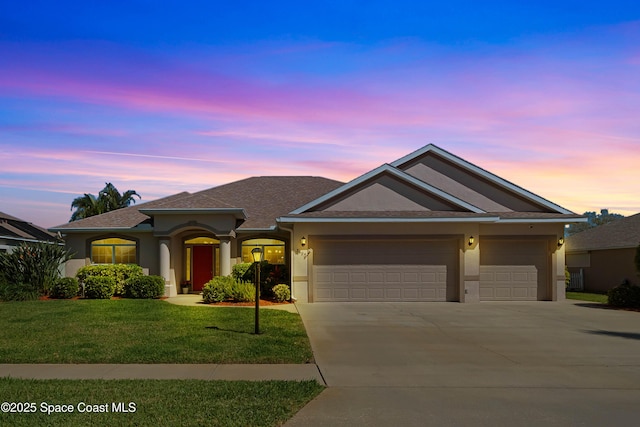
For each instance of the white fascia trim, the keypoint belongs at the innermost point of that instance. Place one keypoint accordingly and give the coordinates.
(254, 230)
(484, 173)
(20, 239)
(386, 220)
(543, 220)
(171, 211)
(397, 173)
(102, 229)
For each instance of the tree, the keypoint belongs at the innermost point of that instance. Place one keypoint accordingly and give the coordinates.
(593, 220)
(109, 199)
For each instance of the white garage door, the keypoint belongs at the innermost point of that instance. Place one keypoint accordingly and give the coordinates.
(381, 269)
(513, 270)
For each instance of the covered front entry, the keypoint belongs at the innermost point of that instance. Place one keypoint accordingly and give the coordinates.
(384, 269)
(202, 261)
(514, 269)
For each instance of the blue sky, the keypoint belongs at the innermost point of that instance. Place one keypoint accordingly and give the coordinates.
(163, 97)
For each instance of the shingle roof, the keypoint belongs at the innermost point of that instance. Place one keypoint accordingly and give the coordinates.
(262, 198)
(17, 229)
(618, 234)
(268, 197)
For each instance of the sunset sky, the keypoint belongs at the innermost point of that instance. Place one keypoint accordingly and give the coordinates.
(167, 96)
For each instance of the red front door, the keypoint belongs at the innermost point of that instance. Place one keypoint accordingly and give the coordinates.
(202, 266)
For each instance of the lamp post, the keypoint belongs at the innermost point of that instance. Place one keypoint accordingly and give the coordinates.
(257, 257)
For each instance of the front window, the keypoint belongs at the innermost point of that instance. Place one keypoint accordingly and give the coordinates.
(272, 249)
(113, 251)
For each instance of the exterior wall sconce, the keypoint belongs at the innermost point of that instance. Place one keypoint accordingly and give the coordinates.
(303, 241)
(471, 240)
(560, 242)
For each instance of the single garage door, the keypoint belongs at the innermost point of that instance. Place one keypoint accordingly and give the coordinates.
(384, 269)
(513, 270)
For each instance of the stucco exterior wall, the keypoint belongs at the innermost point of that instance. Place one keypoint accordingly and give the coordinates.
(80, 244)
(605, 269)
(469, 255)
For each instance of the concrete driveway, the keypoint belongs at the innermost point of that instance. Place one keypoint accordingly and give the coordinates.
(498, 363)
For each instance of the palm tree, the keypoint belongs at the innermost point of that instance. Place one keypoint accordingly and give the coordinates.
(109, 199)
(112, 198)
(86, 206)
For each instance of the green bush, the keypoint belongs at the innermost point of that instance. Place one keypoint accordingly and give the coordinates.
(31, 267)
(281, 292)
(96, 287)
(119, 272)
(226, 288)
(216, 289)
(65, 288)
(242, 292)
(240, 271)
(270, 275)
(18, 292)
(144, 287)
(625, 295)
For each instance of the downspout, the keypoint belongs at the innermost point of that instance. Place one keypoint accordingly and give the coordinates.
(291, 243)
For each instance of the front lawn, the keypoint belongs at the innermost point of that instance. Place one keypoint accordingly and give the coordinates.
(154, 402)
(146, 331)
(586, 296)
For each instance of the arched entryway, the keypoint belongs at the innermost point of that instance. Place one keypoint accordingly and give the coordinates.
(202, 260)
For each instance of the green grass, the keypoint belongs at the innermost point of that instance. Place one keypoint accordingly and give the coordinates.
(146, 331)
(158, 402)
(586, 296)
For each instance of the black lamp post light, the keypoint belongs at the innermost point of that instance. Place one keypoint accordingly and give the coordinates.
(257, 257)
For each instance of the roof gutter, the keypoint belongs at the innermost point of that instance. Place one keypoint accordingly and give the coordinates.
(292, 220)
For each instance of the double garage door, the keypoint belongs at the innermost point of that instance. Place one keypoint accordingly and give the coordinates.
(385, 269)
(396, 269)
(514, 270)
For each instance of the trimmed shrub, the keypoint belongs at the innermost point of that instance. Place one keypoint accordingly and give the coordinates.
(226, 288)
(65, 288)
(144, 287)
(625, 295)
(96, 287)
(119, 272)
(215, 290)
(239, 271)
(281, 292)
(32, 267)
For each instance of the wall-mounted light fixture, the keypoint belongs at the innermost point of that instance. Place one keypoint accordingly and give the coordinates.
(471, 240)
(303, 241)
(560, 241)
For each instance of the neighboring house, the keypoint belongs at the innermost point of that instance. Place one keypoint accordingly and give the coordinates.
(14, 231)
(605, 254)
(427, 227)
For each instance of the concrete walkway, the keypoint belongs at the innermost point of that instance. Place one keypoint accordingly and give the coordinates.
(293, 372)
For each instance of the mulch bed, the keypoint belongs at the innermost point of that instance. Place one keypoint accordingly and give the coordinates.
(249, 304)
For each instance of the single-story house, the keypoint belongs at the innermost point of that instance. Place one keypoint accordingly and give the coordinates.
(603, 256)
(14, 231)
(427, 227)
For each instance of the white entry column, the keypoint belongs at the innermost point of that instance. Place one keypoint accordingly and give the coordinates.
(165, 266)
(225, 255)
